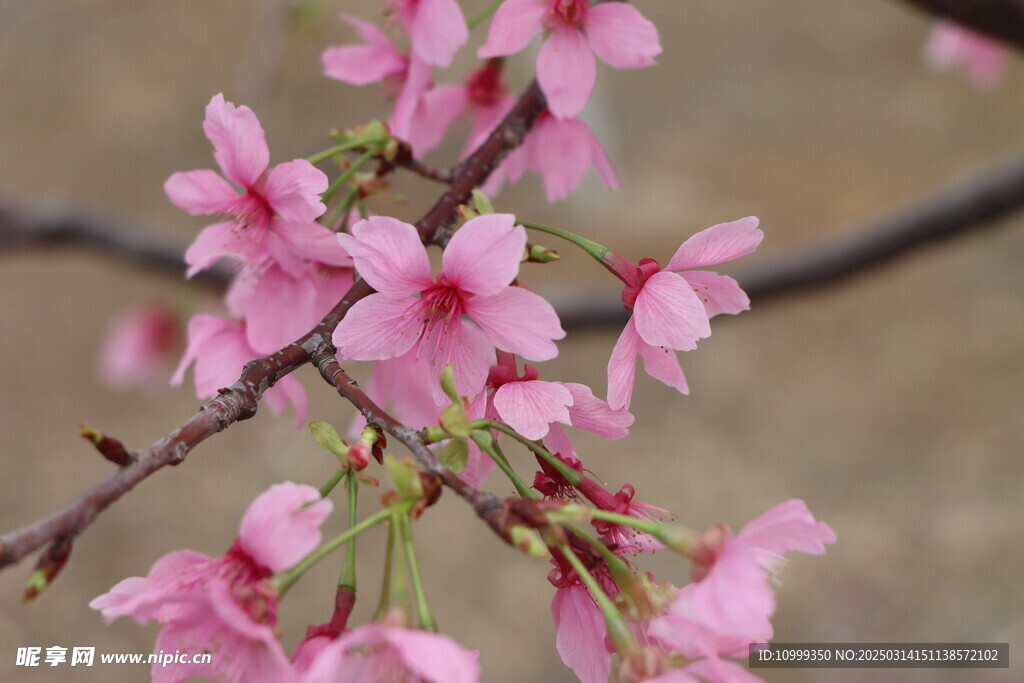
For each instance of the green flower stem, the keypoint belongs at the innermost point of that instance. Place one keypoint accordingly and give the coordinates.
(334, 151)
(615, 563)
(622, 638)
(426, 617)
(348, 571)
(385, 586)
(488, 445)
(343, 208)
(675, 536)
(326, 489)
(571, 475)
(287, 578)
(597, 251)
(483, 14)
(350, 171)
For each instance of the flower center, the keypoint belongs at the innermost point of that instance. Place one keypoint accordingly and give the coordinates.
(567, 13)
(484, 86)
(252, 210)
(644, 271)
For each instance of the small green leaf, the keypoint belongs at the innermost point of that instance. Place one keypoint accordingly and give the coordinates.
(454, 455)
(327, 437)
(405, 477)
(483, 204)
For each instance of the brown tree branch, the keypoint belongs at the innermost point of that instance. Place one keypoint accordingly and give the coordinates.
(1002, 19)
(240, 401)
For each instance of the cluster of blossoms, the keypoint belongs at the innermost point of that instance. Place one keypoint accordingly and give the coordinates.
(446, 349)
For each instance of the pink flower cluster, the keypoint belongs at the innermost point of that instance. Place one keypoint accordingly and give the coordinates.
(226, 606)
(290, 269)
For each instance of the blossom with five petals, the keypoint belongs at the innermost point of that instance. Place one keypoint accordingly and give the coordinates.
(566, 69)
(413, 310)
(672, 306)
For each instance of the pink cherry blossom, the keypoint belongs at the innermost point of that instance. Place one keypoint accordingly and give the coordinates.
(530, 406)
(672, 306)
(574, 32)
(436, 28)
(139, 347)
(371, 61)
(225, 601)
(274, 206)
(951, 45)
(561, 151)
(381, 651)
(731, 601)
(479, 265)
(219, 348)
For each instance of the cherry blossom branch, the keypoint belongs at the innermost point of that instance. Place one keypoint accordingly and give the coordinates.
(240, 400)
(487, 506)
(1003, 19)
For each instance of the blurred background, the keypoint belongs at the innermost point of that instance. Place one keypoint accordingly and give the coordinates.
(891, 405)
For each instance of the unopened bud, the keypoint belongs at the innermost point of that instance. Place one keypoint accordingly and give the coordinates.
(483, 204)
(529, 541)
(327, 436)
(538, 253)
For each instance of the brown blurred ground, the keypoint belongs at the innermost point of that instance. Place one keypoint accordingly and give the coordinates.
(892, 406)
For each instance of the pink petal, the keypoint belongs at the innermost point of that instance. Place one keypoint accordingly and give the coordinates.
(718, 244)
(404, 115)
(515, 24)
(389, 255)
(279, 528)
(217, 241)
(528, 407)
(734, 598)
(479, 465)
(434, 656)
(718, 293)
(461, 344)
(200, 192)
(716, 670)
(361, 64)
(437, 30)
(202, 329)
(312, 241)
(558, 443)
(566, 71)
(593, 415)
(238, 141)
(436, 111)
(622, 367)
(484, 254)
(379, 327)
(518, 321)
(580, 634)
(280, 310)
(621, 36)
(788, 527)
(663, 365)
(282, 251)
(374, 60)
(668, 313)
(293, 191)
(562, 151)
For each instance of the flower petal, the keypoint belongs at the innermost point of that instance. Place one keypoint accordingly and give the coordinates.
(374, 60)
(279, 528)
(719, 293)
(279, 310)
(580, 634)
(621, 36)
(239, 145)
(389, 255)
(788, 527)
(529, 407)
(566, 71)
(437, 30)
(718, 244)
(462, 345)
(663, 365)
(668, 313)
(293, 191)
(309, 240)
(593, 415)
(434, 656)
(515, 24)
(217, 241)
(201, 192)
(379, 327)
(622, 367)
(518, 321)
(484, 254)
